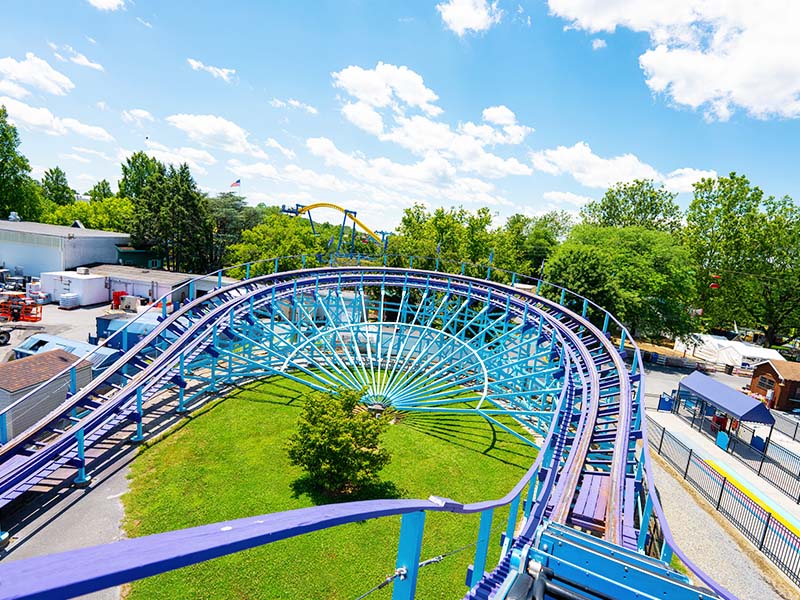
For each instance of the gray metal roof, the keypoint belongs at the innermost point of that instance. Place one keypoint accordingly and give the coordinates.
(136, 274)
(61, 231)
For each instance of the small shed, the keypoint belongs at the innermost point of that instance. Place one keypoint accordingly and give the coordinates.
(779, 382)
(716, 398)
(20, 377)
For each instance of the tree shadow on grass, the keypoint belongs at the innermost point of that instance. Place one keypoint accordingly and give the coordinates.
(380, 490)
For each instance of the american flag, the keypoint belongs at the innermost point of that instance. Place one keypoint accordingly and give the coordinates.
(237, 183)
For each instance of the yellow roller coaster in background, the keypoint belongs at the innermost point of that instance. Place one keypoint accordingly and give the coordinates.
(349, 214)
(301, 209)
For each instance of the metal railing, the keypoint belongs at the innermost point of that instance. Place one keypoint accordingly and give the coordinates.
(766, 531)
(788, 427)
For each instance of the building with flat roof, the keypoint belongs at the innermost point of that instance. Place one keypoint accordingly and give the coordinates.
(39, 247)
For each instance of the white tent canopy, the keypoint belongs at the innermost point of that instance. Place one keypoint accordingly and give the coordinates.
(720, 350)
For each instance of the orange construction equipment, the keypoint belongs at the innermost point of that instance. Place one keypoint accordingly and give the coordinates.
(16, 306)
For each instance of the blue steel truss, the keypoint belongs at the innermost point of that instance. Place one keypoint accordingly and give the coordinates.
(584, 518)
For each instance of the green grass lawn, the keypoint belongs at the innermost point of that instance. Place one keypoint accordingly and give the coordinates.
(228, 461)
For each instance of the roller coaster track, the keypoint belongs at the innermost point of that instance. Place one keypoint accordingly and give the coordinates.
(301, 210)
(590, 524)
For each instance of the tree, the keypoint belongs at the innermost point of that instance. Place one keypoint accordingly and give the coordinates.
(752, 244)
(108, 214)
(184, 223)
(227, 212)
(638, 203)
(338, 447)
(642, 276)
(137, 170)
(279, 235)
(55, 187)
(524, 243)
(18, 192)
(100, 191)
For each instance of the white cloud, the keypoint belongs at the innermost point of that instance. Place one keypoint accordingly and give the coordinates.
(363, 116)
(463, 16)
(12, 89)
(90, 152)
(196, 158)
(102, 105)
(147, 24)
(273, 143)
(433, 178)
(566, 198)
(36, 72)
(598, 44)
(499, 115)
(216, 132)
(80, 59)
(137, 116)
(41, 119)
(107, 4)
(216, 72)
(75, 157)
(74, 56)
(91, 40)
(709, 55)
(683, 180)
(292, 103)
(593, 171)
(387, 85)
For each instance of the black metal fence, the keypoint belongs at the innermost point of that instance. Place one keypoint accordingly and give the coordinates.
(786, 425)
(769, 533)
(776, 464)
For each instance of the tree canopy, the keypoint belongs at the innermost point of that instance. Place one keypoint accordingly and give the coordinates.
(635, 204)
(55, 187)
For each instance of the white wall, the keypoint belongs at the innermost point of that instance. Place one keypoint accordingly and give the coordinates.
(81, 251)
(91, 288)
(34, 257)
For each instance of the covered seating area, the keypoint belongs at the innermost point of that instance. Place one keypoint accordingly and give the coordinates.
(719, 409)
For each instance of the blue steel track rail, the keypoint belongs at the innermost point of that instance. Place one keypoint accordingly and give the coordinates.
(597, 408)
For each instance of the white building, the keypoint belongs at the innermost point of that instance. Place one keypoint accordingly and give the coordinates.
(38, 247)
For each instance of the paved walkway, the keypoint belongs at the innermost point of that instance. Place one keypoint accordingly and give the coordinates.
(704, 447)
(727, 557)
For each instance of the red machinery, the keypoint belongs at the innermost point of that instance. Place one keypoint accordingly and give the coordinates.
(16, 306)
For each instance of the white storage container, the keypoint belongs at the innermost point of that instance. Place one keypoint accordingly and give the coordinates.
(91, 289)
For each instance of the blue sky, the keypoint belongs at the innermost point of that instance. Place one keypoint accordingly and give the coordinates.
(519, 106)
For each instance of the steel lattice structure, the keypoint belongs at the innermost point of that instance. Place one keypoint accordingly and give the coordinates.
(414, 340)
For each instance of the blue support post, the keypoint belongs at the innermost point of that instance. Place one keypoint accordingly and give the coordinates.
(276, 266)
(605, 323)
(3, 429)
(512, 521)
(585, 307)
(644, 524)
(513, 279)
(482, 547)
(463, 266)
(622, 341)
(81, 479)
(139, 436)
(181, 390)
(219, 278)
(247, 271)
(303, 259)
(191, 291)
(213, 386)
(412, 526)
(73, 381)
(164, 308)
(563, 296)
(411, 262)
(666, 553)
